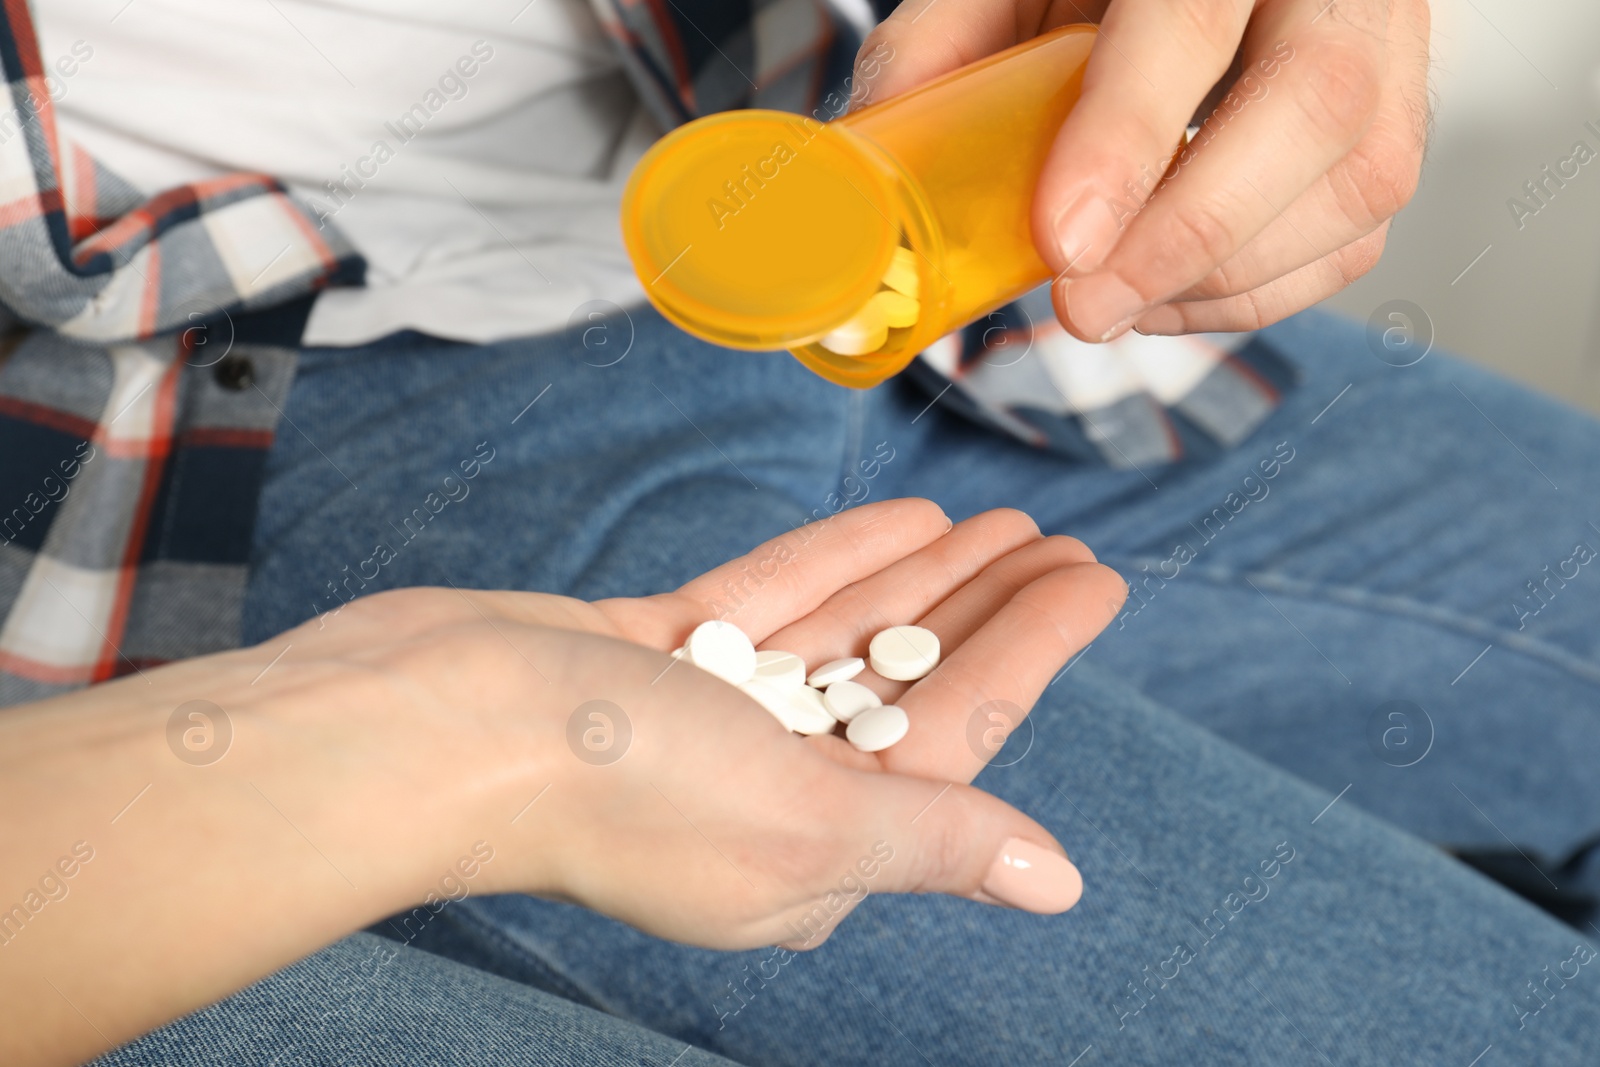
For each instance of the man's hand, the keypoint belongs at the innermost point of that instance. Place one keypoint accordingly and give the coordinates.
(1283, 197)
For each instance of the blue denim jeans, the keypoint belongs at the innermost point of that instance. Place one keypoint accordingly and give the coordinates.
(1332, 657)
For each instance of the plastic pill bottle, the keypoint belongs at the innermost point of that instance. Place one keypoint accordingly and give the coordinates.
(765, 230)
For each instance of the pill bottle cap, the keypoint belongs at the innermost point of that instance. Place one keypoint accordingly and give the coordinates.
(760, 229)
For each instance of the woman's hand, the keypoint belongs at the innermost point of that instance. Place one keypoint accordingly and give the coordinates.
(1283, 198)
(691, 813)
(412, 747)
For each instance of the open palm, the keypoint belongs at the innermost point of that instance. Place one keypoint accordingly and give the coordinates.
(708, 822)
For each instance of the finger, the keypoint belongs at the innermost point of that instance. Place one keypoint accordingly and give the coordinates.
(1308, 116)
(1270, 303)
(1007, 663)
(1312, 228)
(967, 610)
(791, 575)
(974, 605)
(906, 590)
(914, 836)
(1154, 63)
(783, 578)
(1359, 194)
(925, 39)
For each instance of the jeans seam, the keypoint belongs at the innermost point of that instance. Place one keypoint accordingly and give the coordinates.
(1400, 607)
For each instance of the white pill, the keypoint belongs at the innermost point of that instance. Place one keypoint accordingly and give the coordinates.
(782, 669)
(898, 309)
(808, 714)
(863, 332)
(722, 649)
(904, 653)
(678, 652)
(837, 670)
(846, 700)
(772, 698)
(902, 273)
(877, 728)
(800, 709)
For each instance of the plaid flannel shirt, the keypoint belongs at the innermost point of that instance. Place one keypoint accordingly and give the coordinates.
(131, 453)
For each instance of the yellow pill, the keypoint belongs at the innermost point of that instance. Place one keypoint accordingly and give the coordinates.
(863, 332)
(902, 273)
(898, 309)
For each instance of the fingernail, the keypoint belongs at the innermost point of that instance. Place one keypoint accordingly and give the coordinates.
(1103, 306)
(1032, 878)
(1085, 231)
(1161, 321)
(1059, 299)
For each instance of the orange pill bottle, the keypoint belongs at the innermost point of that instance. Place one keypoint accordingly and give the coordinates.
(766, 230)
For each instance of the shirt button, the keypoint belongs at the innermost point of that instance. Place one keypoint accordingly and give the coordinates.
(235, 373)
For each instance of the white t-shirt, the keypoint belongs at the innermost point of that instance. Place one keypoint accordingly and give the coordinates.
(474, 150)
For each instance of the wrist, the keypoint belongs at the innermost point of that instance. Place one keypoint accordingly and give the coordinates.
(228, 853)
(383, 778)
(426, 786)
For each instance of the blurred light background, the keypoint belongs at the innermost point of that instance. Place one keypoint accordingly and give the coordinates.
(1514, 84)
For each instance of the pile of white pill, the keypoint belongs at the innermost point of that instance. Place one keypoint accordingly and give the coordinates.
(814, 702)
(894, 306)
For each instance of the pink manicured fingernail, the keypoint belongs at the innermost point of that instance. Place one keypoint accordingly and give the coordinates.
(1085, 232)
(1032, 878)
(1103, 306)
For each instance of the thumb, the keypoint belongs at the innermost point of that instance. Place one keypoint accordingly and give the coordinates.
(932, 837)
(967, 843)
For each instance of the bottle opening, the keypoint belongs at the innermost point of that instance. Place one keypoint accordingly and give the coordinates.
(760, 229)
